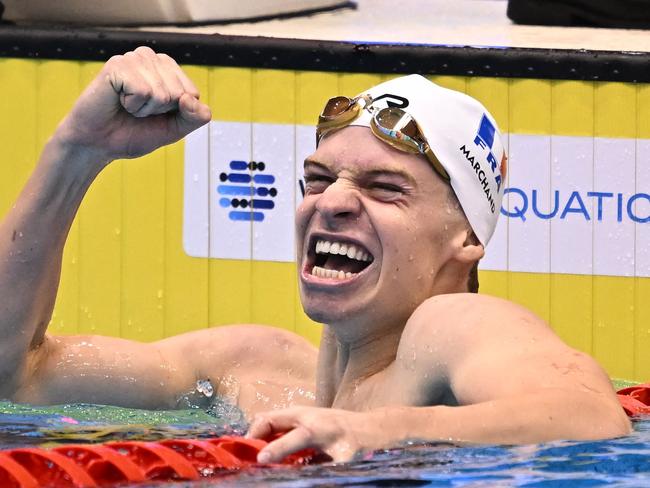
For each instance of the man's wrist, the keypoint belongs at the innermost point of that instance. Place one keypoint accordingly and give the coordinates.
(403, 424)
(64, 148)
(397, 425)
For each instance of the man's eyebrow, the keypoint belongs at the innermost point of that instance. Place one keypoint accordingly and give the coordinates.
(313, 162)
(391, 172)
(373, 173)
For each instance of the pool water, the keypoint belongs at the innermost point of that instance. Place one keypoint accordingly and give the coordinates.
(619, 462)
(25, 425)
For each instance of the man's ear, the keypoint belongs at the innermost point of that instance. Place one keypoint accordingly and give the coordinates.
(471, 249)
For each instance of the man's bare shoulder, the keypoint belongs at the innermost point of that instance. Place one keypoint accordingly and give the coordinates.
(445, 329)
(486, 348)
(470, 315)
(243, 347)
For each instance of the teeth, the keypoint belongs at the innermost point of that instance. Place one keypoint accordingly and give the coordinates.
(349, 250)
(352, 252)
(332, 274)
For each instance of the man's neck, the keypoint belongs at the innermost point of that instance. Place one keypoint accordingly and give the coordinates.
(344, 365)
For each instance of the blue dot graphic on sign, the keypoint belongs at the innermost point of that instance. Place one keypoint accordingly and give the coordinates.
(265, 179)
(240, 188)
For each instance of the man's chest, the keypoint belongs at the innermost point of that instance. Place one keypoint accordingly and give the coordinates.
(395, 387)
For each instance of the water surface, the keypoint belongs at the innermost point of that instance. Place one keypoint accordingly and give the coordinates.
(620, 462)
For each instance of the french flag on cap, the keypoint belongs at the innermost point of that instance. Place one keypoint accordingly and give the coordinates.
(485, 139)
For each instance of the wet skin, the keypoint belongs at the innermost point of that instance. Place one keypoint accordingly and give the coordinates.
(394, 206)
(405, 353)
(138, 102)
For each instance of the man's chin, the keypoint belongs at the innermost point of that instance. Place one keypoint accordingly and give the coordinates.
(330, 312)
(335, 304)
(320, 315)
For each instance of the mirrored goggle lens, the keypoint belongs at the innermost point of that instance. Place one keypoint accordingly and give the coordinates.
(400, 130)
(400, 126)
(396, 119)
(336, 106)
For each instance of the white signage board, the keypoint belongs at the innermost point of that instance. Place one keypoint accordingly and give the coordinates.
(575, 205)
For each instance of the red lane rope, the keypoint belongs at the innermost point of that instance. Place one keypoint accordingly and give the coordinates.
(117, 463)
(635, 400)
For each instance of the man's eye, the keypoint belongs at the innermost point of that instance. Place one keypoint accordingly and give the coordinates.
(386, 188)
(316, 184)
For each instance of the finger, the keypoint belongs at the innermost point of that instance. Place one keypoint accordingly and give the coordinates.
(160, 100)
(184, 80)
(261, 428)
(133, 90)
(168, 74)
(191, 115)
(266, 425)
(296, 440)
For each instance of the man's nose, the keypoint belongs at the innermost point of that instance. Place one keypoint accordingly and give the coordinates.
(340, 201)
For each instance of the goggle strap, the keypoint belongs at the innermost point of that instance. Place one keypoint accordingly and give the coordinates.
(437, 165)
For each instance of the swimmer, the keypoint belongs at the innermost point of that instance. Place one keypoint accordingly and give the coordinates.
(400, 202)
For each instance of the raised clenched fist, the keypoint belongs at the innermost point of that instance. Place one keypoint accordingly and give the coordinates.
(140, 101)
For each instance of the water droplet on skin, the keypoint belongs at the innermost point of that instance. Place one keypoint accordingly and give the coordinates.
(205, 387)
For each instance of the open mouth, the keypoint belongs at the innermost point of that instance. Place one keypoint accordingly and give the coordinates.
(337, 260)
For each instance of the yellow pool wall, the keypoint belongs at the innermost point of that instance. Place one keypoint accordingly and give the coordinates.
(125, 272)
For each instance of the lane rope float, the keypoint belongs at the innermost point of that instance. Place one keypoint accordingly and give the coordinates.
(117, 463)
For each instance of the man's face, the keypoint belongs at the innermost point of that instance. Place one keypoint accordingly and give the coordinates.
(374, 231)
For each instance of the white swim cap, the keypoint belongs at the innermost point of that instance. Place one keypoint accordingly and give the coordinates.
(463, 136)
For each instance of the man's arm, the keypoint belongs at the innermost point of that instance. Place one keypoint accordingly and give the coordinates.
(164, 374)
(528, 418)
(138, 102)
(514, 377)
(514, 381)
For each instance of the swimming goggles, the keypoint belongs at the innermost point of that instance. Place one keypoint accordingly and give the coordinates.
(391, 124)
